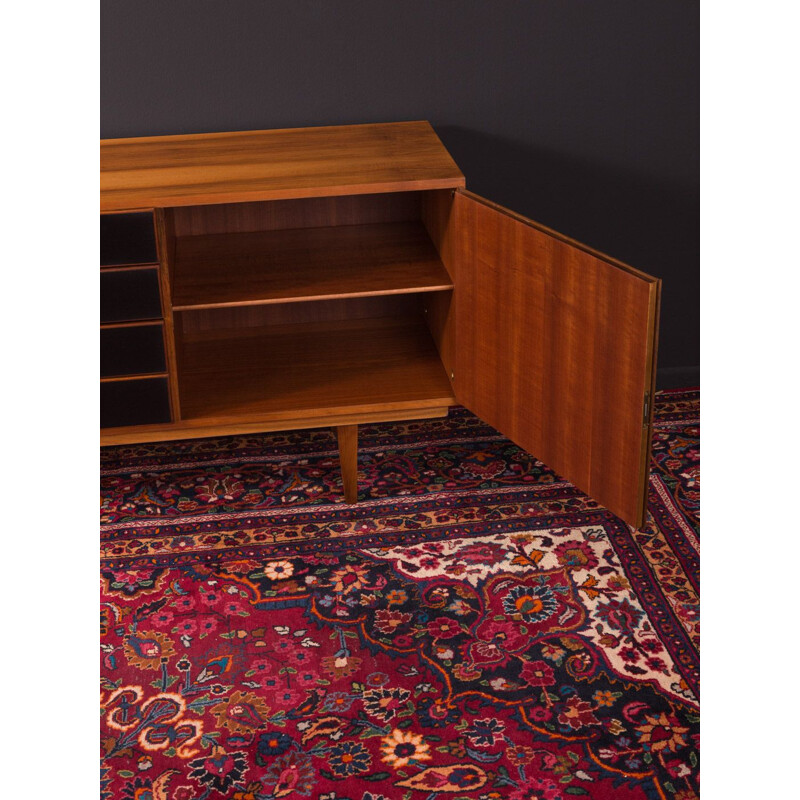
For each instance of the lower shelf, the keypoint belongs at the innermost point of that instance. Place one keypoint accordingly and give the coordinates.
(311, 370)
(282, 377)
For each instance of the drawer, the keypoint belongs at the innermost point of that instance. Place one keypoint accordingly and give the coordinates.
(127, 239)
(132, 350)
(136, 402)
(129, 294)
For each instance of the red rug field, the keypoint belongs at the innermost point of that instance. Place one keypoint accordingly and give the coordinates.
(474, 628)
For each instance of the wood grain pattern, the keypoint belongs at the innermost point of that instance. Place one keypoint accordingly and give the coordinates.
(191, 429)
(165, 244)
(311, 370)
(126, 268)
(136, 323)
(306, 212)
(347, 436)
(338, 310)
(166, 171)
(651, 361)
(139, 377)
(301, 264)
(439, 220)
(556, 350)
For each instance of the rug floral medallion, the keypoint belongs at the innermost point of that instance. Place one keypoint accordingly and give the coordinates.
(475, 628)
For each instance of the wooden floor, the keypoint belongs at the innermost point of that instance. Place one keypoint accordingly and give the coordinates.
(312, 369)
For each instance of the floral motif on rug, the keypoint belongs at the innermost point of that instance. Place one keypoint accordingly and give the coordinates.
(497, 649)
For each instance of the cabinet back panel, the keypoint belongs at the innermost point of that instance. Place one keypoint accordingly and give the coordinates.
(127, 239)
(312, 212)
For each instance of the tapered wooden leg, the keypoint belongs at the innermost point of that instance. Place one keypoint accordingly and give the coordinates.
(348, 460)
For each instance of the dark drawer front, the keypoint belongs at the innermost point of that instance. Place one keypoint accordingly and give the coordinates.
(131, 350)
(136, 402)
(129, 294)
(127, 239)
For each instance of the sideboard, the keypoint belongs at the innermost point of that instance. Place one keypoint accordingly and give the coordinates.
(269, 280)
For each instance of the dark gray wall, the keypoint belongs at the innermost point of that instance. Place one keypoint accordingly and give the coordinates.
(582, 115)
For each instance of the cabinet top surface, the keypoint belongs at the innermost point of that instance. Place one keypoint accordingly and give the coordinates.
(165, 171)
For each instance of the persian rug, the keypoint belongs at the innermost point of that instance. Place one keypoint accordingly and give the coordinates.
(475, 628)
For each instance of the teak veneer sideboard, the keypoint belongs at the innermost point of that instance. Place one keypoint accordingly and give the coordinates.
(270, 280)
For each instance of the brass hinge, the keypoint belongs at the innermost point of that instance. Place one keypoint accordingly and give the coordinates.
(646, 415)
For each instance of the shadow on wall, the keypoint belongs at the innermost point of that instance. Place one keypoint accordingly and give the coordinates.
(649, 224)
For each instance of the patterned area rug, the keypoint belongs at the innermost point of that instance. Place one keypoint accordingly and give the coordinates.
(474, 628)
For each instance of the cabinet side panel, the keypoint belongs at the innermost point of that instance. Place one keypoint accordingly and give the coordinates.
(437, 213)
(555, 350)
(652, 359)
(165, 240)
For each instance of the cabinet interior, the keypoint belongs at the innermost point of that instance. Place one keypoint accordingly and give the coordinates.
(308, 306)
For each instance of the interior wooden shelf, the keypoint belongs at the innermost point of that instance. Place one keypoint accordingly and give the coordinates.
(312, 370)
(278, 266)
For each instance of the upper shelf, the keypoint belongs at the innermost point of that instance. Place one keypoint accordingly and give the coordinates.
(311, 371)
(167, 171)
(234, 269)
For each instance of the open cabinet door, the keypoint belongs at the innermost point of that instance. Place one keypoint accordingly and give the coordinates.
(555, 347)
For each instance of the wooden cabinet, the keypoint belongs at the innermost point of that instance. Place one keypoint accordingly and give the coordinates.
(268, 280)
